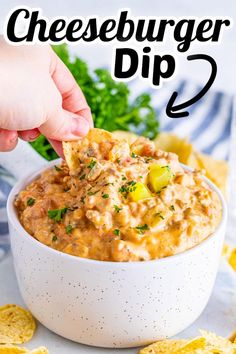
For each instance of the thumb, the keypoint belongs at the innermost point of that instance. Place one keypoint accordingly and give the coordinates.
(65, 125)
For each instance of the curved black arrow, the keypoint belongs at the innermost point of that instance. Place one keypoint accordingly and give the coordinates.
(171, 109)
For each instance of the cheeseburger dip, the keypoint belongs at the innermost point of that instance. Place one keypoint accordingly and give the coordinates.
(112, 201)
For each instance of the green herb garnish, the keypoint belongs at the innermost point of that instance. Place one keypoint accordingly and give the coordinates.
(128, 187)
(92, 164)
(82, 177)
(147, 159)
(69, 229)
(58, 169)
(92, 193)
(57, 214)
(160, 215)
(172, 207)
(105, 196)
(167, 167)
(30, 201)
(142, 228)
(116, 232)
(134, 155)
(82, 200)
(117, 209)
(54, 238)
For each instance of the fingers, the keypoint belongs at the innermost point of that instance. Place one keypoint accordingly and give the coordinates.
(8, 139)
(57, 146)
(29, 135)
(72, 96)
(63, 125)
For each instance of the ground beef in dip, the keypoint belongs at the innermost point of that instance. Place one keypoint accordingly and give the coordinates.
(110, 209)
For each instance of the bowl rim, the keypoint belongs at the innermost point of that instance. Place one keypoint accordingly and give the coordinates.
(14, 220)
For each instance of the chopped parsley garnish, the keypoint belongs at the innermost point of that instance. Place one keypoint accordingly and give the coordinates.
(142, 228)
(105, 196)
(118, 160)
(123, 178)
(131, 183)
(134, 155)
(116, 232)
(147, 159)
(92, 193)
(172, 207)
(167, 167)
(57, 214)
(54, 238)
(58, 169)
(117, 209)
(82, 177)
(69, 229)
(30, 201)
(128, 187)
(82, 200)
(160, 215)
(109, 184)
(92, 164)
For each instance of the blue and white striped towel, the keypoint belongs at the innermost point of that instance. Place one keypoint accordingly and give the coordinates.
(208, 127)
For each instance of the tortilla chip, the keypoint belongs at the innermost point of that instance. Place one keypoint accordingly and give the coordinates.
(225, 250)
(123, 135)
(11, 349)
(216, 170)
(71, 148)
(232, 259)
(192, 345)
(16, 325)
(206, 344)
(40, 350)
(216, 341)
(164, 346)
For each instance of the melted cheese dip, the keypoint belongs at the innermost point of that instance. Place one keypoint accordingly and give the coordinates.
(92, 212)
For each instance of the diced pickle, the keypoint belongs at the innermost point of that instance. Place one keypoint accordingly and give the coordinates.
(159, 177)
(139, 192)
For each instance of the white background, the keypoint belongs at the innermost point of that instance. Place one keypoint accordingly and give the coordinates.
(97, 55)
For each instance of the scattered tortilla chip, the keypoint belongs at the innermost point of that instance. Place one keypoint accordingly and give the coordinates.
(226, 250)
(40, 350)
(11, 349)
(164, 346)
(191, 345)
(232, 338)
(232, 258)
(229, 253)
(16, 325)
(172, 143)
(216, 170)
(216, 341)
(206, 344)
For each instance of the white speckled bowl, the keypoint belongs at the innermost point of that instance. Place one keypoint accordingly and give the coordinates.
(110, 304)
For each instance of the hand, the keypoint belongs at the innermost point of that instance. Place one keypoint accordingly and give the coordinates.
(38, 94)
